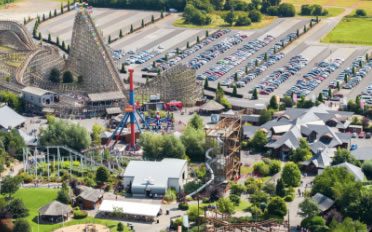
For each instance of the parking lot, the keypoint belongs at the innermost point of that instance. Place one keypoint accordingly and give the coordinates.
(109, 21)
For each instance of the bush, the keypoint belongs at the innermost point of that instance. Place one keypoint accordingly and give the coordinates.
(273, 10)
(237, 189)
(243, 21)
(286, 10)
(289, 198)
(183, 206)
(190, 187)
(235, 199)
(54, 75)
(27, 178)
(170, 195)
(275, 166)
(306, 10)
(252, 185)
(80, 214)
(261, 168)
(360, 13)
(367, 169)
(255, 16)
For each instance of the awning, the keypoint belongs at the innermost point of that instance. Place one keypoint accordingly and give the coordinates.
(130, 208)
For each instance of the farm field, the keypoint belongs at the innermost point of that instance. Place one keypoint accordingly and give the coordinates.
(351, 31)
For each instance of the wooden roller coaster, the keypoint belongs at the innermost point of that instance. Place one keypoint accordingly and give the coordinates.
(217, 222)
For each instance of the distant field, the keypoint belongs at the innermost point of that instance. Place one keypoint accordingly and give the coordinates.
(351, 31)
(339, 3)
(332, 11)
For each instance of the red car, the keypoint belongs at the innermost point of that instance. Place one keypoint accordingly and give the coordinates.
(362, 135)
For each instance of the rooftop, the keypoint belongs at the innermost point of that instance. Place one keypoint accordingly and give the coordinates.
(54, 208)
(35, 91)
(132, 208)
(323, 202)
(9, 118)
(106, 96)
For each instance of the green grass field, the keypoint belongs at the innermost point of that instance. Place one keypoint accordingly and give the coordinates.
(36, 198)
(351, 31)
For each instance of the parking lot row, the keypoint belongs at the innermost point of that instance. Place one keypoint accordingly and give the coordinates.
(321, 72)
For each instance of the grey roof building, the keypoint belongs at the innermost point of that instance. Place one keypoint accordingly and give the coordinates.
(319, 125)
(152, 177)
(10, 119)
(354, 170)
(363, 153)
(54, 211)
(324, 203)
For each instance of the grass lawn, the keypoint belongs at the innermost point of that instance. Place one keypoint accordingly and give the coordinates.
(36, 198)
(351, 31)
(245, 170)
(218, 22)
(339, 3)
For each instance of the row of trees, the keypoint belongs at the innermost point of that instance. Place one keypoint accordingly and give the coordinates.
(12, 100)
(313, 10)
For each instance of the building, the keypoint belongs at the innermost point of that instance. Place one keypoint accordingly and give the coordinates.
(322, 127)
(10, 119)
(54, 212)
(130, 210)
(39, 98)
(324, 203)
(89, 198)
(211, 107)
(152, 178)
(362, 153)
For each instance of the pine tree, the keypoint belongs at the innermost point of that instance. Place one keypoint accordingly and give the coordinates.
(152, 19)
(57, 41)
(40, 38)
(63, 45)
(255, 94)
(360, 64)
(142, 23)
(235, 91)
(49, 38)
(298, 33)
(367, 57)
(206, 33)
(188, 44)
(265, 57)
(330, 93)
(311, 23)
(353, 70)
(280, 188)
(246, 70)
(43, 17)
(68, 5)
(38, 20)
(61, 8)
(206, 84)
(197, 39)
(50, 14)
(338, 86)
(320, 97)
(24, 21)
(346, 78)
(109, 39)
(162, 14)
(305, 29)
(55, 12)
(236, 77)
(256, 62)
(120, 34)
(131, 28)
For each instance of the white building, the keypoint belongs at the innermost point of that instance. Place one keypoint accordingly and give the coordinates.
(10, 119)
(38, 97)
(146, 178)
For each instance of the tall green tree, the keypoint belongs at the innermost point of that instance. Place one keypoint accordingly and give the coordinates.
(291, 175)
(224, 205)
(102, 174)
(258, 141)
(308, 208)
(22, 225)
(276, 208)
(10, 185)
(230, 17)
(302, 153)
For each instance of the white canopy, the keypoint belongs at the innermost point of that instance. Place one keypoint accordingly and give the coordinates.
(132, 208)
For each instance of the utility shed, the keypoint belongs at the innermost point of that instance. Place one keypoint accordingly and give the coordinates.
(10, 119)
(89, 198)
(147, 178)
(55, 211)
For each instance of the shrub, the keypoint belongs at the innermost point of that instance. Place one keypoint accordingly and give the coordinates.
(237, 189)
(235, 199)
(68, 77)
(286, 10)
(367, 168)
(275, 166)
(261, 168)
(183, 206)
(80, 214)
(360, 13)
(170, 195)
(243, 21)
(252, 185)
(289, 198)
(273, 10)
(54, 75)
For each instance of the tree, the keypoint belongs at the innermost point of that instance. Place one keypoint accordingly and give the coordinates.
(206, 84)
(194, 142)
(320, 97)
(338, 86)
(121, 33)
(61, 8)
(224, 205)
(152, 18)
(57, 41)
(235, 91)
(230, 17)
(291, 175)
(62, 132)
(63, 196)
(315, 224)
(330, 93)
(120, 227)
(102, 174)
(258, 141)
(14, 101)
(302, 153)
(348, 225)
(21, 225)
(197, 39)
(360, 13)
(50, 14)
(367, 168)
(280, 188)
(255, 16)
(17, 208)
(308, 208)
(97, 130)
(265, 116)
(142, 23)
(63, 46)
(172, 147)
(286, 10)
(343, 155)
(109, 39)
(273, 103)
(276, 208)
(254, 94)
(43, 17)
(49, 38)
(131, 28)
(67, 77)
(196, 122)
(10, 185)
